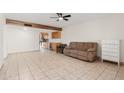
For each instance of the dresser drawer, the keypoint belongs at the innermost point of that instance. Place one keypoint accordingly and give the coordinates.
(109, 58)
(110, 46)
(110, 50)
(112, 54)
(110, 42)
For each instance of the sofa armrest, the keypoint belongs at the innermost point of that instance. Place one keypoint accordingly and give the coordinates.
(67, 47)
(91, 50)
(91, 54)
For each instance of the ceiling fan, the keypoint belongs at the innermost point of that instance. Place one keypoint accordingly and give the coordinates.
(61, 17)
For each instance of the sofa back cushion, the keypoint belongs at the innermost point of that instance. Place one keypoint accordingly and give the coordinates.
(91, 45)
(83, 46)
(73, 45)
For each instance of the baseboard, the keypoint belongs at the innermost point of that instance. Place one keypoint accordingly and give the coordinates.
(24, 51)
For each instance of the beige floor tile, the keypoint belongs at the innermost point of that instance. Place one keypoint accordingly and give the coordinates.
(48, 65)
(107, 75)
(120, 77)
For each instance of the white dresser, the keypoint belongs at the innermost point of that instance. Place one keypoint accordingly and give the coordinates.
(111, 50)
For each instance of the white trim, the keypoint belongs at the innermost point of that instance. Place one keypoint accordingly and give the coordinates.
(1, 63)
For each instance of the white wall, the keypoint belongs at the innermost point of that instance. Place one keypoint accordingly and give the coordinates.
(2, 23)
(1, 41)
(106, 28)
(20, 39)
(5, 47)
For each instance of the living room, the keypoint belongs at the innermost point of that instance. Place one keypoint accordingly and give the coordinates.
(63, 46)
(84, 35)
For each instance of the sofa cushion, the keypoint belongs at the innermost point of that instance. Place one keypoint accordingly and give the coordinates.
(91, 50)
(84, 47)
(67, 47)
(66, 50)
(73, 45)
(80, 46)
(82, 57)
(73, 51)
(82, 53)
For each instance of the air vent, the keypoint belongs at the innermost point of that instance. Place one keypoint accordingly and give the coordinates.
(28, 25)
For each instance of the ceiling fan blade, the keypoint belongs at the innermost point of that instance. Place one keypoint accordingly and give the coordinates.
(65, 19)
(67, 16)
(53, 17)
(59, 14)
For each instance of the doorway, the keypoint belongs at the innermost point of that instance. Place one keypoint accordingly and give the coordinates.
(44, 40)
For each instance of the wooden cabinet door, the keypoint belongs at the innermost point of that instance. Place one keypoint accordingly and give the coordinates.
(56, 34)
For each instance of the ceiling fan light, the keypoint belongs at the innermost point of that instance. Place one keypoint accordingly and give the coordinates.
(60, 18)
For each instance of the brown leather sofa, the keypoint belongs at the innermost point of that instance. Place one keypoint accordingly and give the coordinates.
(82, 50)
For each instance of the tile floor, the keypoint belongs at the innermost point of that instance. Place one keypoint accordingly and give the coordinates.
(47, 65)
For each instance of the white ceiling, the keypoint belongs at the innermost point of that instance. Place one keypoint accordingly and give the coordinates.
(44, 18)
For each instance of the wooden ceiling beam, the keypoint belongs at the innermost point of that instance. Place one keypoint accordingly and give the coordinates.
(28, 24)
